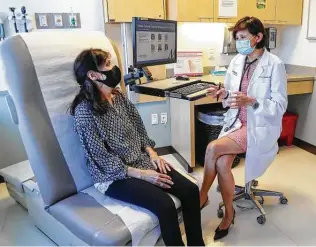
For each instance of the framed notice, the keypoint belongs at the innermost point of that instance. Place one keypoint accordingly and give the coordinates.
(189, 63)
(311, 28)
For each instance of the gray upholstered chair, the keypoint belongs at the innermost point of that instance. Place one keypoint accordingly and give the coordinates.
(38, 70)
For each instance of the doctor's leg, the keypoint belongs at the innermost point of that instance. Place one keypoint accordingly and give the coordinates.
(214, 150)
(227, 186)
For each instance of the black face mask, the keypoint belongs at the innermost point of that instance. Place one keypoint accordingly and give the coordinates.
(112, 77)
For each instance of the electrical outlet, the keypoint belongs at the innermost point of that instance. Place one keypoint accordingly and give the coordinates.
(163, 118)
(154, 119)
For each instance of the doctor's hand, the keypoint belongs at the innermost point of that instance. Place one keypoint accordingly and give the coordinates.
(213, 91)
(239, 99)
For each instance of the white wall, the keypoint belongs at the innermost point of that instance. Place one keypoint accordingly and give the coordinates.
(205, 37)
(91, 11)
(294, 47)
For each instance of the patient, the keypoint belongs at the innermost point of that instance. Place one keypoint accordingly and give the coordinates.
(121, 159)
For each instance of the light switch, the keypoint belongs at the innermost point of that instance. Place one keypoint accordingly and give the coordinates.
(163, 118)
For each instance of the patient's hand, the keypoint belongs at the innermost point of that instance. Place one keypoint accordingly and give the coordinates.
(161, 180)
(160, 163)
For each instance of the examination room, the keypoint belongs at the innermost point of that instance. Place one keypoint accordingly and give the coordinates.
(157, 122)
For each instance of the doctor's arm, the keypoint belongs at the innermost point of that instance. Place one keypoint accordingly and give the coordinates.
(277, 104)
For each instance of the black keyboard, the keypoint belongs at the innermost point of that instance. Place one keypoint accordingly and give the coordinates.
(193, 88)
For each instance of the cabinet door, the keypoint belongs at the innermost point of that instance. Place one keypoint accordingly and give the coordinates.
(124, 10)
(195, 11)
(262, 9)
(289, 14)
(241, 12)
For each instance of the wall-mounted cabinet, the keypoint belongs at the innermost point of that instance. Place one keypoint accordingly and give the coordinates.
(241, 12)
(190, 11)
(289, 13)
(125, 10)
(283, 12)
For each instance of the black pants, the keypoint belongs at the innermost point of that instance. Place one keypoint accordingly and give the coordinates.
(156, 200)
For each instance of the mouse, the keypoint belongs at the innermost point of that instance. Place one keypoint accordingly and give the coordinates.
(182, 78)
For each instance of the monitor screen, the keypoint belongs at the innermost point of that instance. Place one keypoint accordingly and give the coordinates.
(154, 42)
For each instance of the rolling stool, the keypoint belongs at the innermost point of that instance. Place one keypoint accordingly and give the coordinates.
(249, 192)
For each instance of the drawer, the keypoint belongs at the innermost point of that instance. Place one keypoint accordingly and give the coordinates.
(300, 87)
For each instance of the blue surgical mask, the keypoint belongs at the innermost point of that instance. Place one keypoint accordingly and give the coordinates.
(244, 46)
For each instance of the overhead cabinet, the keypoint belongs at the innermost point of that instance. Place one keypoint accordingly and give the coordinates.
(125, 10)
(284, 12)
(190, 10)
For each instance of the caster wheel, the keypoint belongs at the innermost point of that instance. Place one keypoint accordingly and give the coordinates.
(255, 183)
(218, 189)
(220, 213)
(261, 201)
(261, 219)
(283, 200)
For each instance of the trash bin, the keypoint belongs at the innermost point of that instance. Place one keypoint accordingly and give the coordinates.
(288, 127)
(209, 123)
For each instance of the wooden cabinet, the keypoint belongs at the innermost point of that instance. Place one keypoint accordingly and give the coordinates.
(124, 10)
(265, 10)
(289, 12)
(190, 11)
(241, 12)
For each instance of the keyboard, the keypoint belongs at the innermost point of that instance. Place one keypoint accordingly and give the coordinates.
(191, 89)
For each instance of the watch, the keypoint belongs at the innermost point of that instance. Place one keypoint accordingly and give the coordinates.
(255, 105)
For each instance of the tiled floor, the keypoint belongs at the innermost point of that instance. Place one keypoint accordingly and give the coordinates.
(293, 172)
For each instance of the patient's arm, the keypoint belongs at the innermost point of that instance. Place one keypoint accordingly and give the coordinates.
(103, 165)
(134, 115)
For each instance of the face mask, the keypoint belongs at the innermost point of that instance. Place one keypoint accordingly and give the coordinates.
(111, 77)
(244, 46)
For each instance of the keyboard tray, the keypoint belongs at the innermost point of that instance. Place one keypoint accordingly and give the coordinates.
(172, 91)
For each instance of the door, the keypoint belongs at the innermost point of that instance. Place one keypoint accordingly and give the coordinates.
(262, 9)
(195, 11)
(241, 12)
(289, 14)
(124, 10)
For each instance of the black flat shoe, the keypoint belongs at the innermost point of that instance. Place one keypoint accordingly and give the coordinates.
(221, 233)
(207, 202)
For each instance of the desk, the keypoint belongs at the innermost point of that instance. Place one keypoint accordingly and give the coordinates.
(182, 113)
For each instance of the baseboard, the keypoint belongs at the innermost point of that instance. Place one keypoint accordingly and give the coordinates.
(170, 150)
(305, 145)
(165, 150)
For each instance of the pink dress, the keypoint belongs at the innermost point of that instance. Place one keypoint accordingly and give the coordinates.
(240, 136)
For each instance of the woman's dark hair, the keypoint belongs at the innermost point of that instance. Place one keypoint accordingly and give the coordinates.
(90, 59)
(253, 25)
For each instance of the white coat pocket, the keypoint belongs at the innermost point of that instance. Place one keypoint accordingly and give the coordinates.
(266, 137)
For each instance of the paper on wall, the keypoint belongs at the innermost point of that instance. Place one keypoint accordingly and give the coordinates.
(189, 63)
(227, 8)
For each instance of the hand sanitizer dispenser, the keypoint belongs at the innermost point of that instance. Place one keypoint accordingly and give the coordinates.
(229, 43)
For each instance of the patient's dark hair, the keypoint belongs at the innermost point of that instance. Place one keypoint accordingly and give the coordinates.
(90, 59)
(253, 25)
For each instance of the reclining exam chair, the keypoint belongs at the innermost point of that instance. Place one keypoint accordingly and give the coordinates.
(61, 198)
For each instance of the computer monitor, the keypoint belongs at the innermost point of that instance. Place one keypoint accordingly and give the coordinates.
(154, 42)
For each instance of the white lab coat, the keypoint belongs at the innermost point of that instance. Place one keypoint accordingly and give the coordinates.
(269, 86)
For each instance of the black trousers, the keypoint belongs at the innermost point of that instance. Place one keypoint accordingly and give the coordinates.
(156, 200)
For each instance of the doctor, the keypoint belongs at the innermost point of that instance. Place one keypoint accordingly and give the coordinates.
(255, 90)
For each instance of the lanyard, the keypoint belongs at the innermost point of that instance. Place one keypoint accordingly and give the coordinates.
(245, 69)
